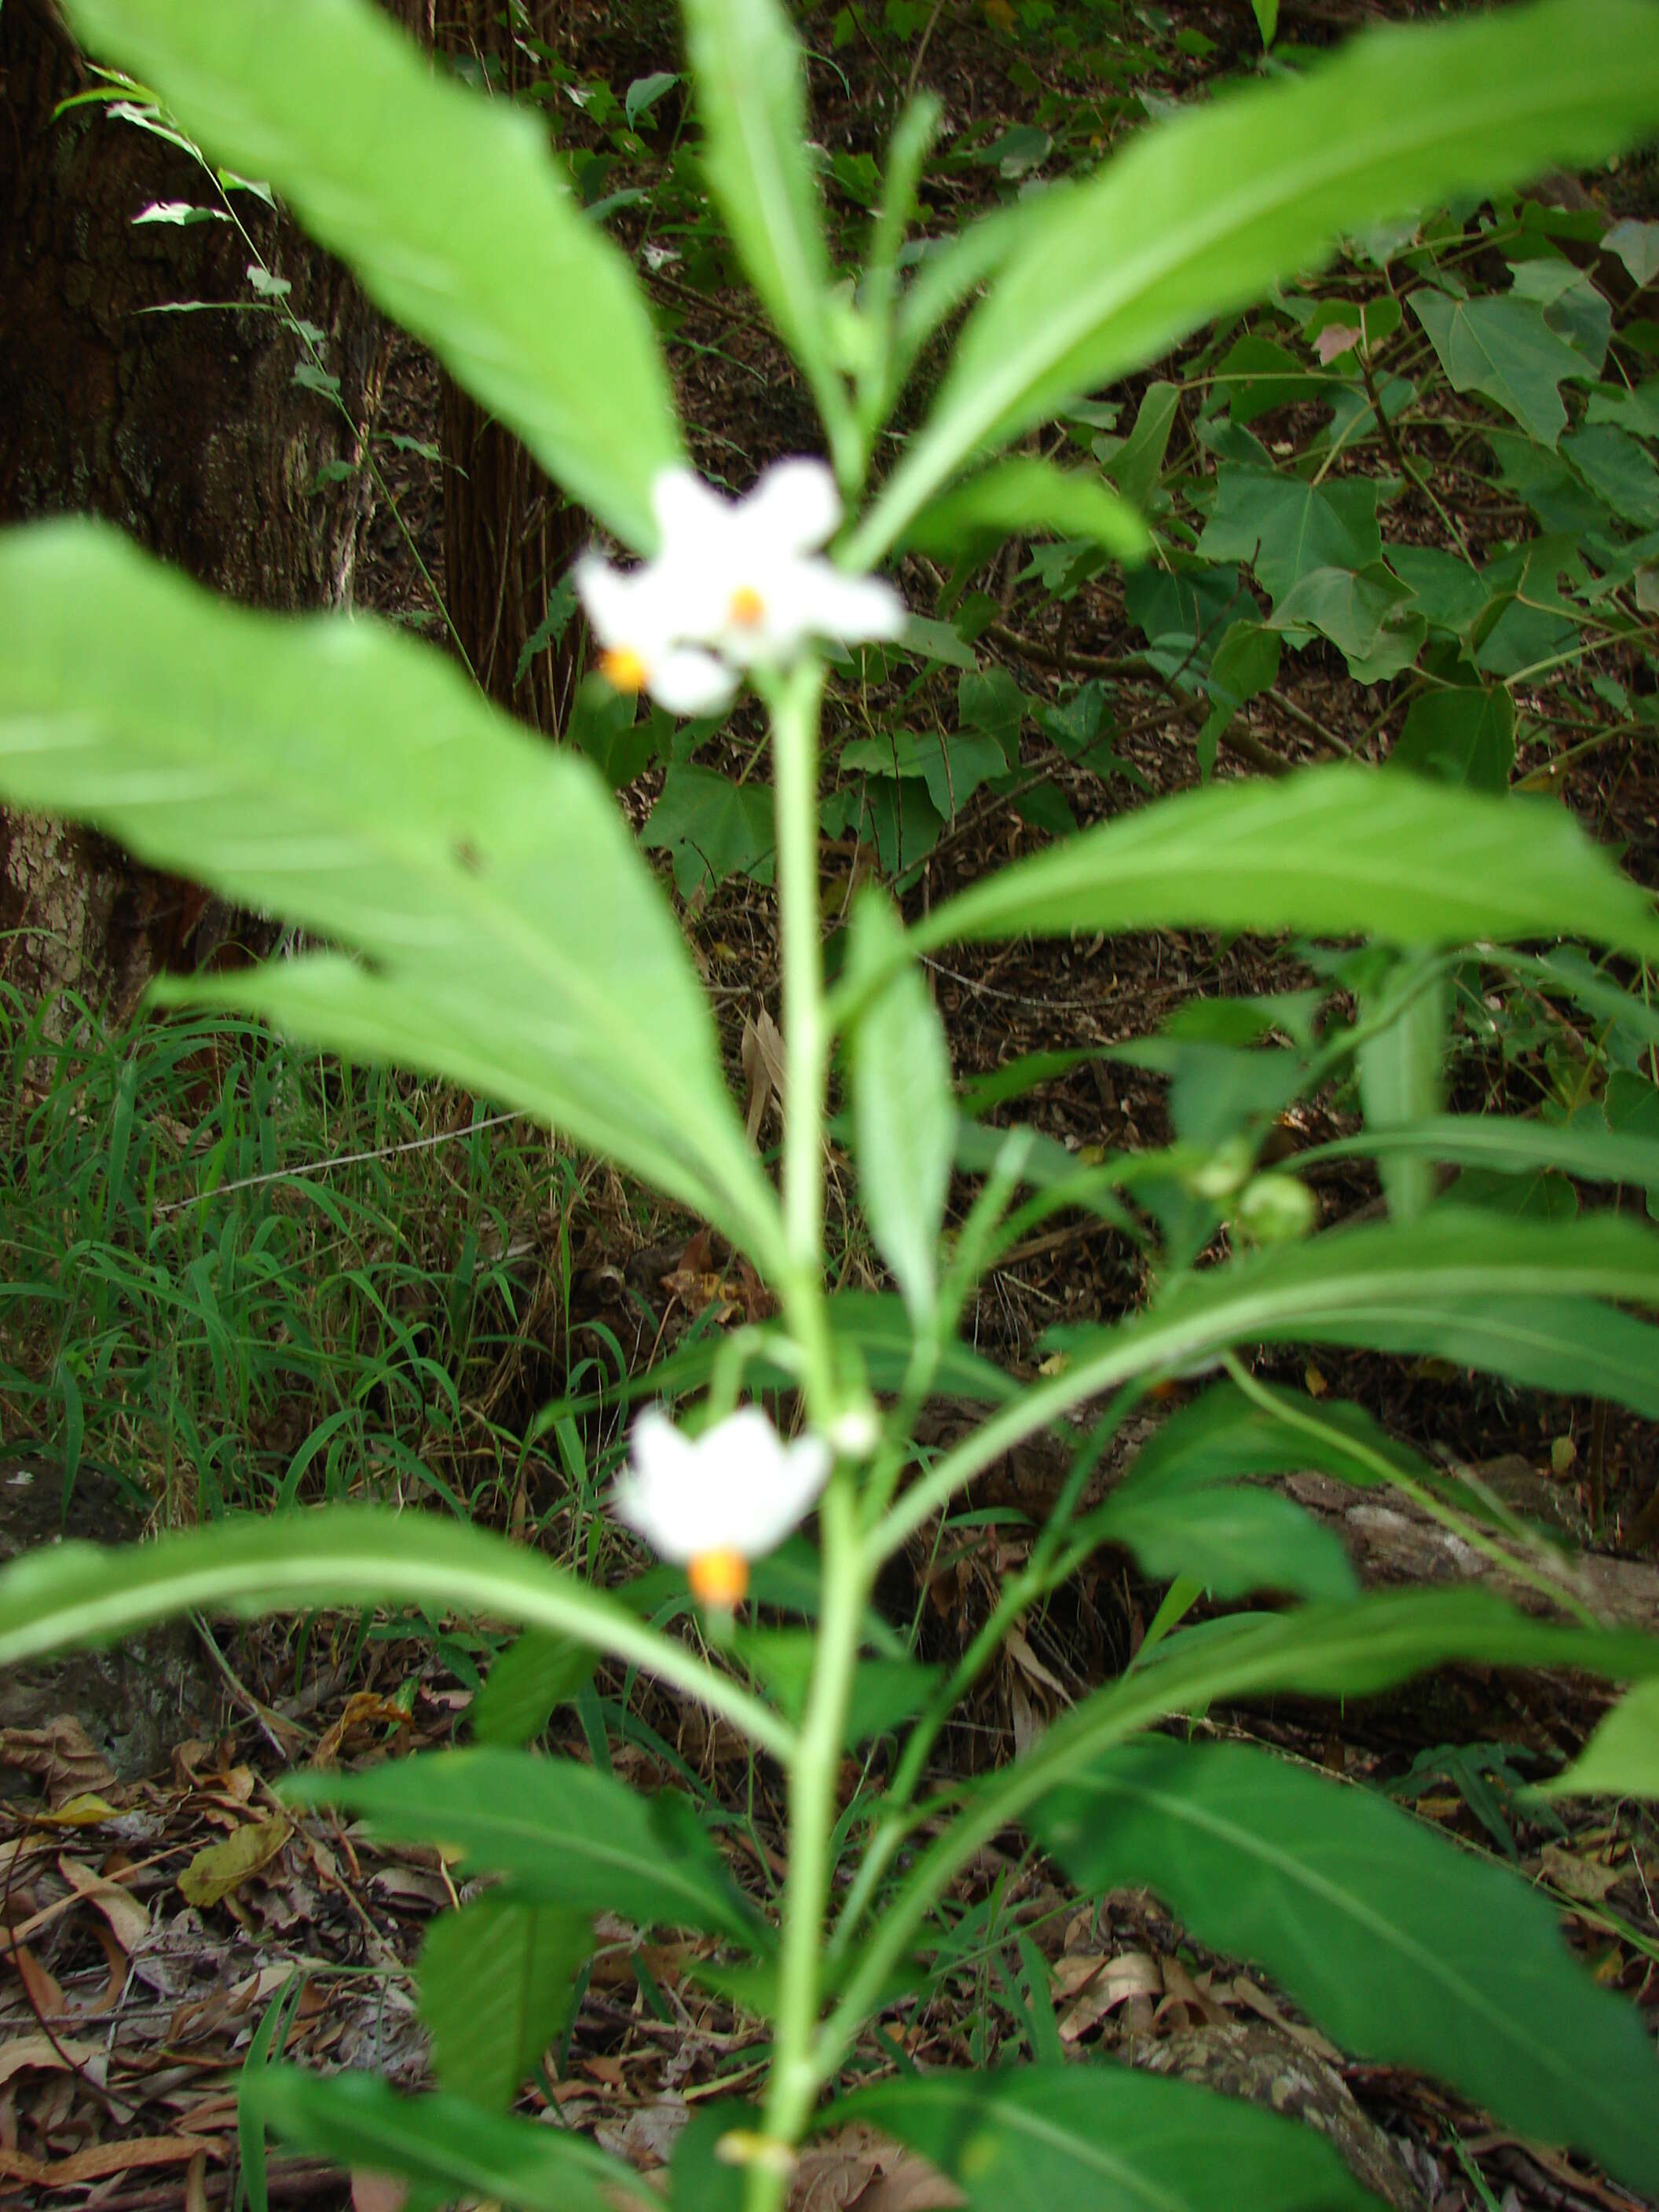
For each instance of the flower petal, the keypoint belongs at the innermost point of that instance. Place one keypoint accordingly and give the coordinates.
(688, 681)
(687, 509)
(794, 507)
(604, 592)
(854, 607)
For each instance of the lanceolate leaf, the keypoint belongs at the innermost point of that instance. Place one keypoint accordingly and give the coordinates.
(746, 66)
(1231, 1538)
(1404, 1947)
(1501, 1292)
(1202, 214)
(1098, 2138)
(1579, 1148)
(443, 2144)
(904, 1111)
(1336, 851)
(1621, 1759)
(497, 1983)
(1350, 1649)
(563, 1834)
(349, 779)
(1518, 1298)
(449, 206)
(348, 1556)
(1029, 497)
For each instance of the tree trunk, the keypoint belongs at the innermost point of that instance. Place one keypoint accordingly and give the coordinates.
(188, 429)
(509, 536)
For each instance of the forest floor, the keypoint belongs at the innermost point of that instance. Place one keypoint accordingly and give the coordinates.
(128, 2006)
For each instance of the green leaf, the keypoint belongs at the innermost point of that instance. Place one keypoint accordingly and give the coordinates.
(348, 778)
(993, 702)
(1407, 1949)
(1367, 614)
(1450, 595)
(1099, 2138)
(713, 827)
(1267, 16)
(751, 95)
(1028, 497)
(1577, 1147)
(1223, 1433)
(1621, 1759)
(1136, 466)
(1246, 662)
(606, 723)
(348, 1556)
(527, 1685)
(1401, 1071)
(1637, 244)
(1255, 189)
(449, 206)
(497, 1983)
(562, 1833)
(1515, 1297)
(1331, 850)
(1232, 1540)
(1617, 470)
(1286, 529)
(953, 768)
(904, 1108)
(1504, 348)
(1465, 736)
(442, 2143)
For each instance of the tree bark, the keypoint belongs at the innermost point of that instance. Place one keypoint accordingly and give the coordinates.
(187, 428)
(509, 536)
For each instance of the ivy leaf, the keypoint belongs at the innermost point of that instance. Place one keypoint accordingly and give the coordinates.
(1505, 349)
(1637, 244)
(1617, 470)
(1464, 736)
(714, 828)
(1286, 529)
(1366, 613)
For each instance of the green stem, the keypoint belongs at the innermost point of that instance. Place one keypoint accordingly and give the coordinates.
(794, 701)
(798, 2071)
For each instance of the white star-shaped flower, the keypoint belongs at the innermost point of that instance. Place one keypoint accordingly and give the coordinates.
(634, 616)
(737, 585)
(712, 1503)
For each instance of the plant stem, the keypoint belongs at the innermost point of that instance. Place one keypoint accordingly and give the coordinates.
(794, 701)
(798, 2068)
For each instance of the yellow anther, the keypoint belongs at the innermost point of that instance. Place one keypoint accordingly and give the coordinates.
(718, 1578)
(622, 669)
(748, 608)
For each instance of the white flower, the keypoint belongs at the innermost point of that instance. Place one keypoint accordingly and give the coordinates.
(713, 1503)
(738, 579)
(633, 618)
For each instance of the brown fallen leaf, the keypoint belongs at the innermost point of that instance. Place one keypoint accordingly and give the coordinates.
(62, 1753)
(125, 1914)
(1586, 1881)
(24, 2051)
(218, 1869)
(104, 2158)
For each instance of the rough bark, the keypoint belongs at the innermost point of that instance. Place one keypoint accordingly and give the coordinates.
(187, 429)
(509, 536)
